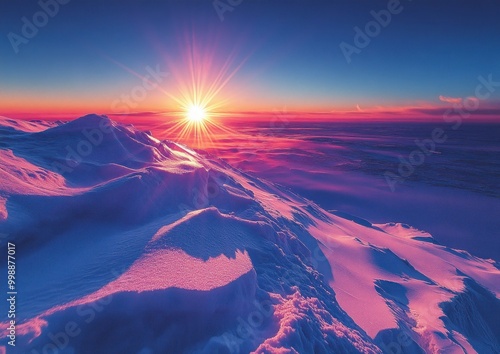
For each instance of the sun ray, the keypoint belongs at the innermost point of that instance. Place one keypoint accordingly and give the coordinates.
(200, 82)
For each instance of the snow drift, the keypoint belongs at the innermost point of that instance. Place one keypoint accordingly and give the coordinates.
(128, 244)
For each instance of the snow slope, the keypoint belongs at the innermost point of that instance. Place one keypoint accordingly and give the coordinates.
(127, 244)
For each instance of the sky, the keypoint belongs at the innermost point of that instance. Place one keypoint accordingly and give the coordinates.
(70, 57)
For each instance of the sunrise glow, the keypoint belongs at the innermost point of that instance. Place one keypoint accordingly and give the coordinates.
(196, 114)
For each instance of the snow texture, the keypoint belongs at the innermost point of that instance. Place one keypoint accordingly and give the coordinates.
(128, 244)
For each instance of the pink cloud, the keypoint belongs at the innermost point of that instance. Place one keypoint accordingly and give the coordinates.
(450, 99)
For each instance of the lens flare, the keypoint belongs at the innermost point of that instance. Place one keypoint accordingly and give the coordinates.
(201, 76)
(196, 114)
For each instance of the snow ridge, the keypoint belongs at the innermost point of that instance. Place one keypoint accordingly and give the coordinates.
(135, 245)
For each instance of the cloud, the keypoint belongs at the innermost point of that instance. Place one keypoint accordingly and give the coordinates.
(450, 99)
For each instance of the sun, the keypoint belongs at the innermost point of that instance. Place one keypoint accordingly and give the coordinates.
(196, 114)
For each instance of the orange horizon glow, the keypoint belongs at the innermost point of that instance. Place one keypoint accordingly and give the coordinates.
(200, 79)
(424, 112)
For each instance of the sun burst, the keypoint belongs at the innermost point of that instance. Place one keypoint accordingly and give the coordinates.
(200, 74)
(201, 96)
(196, 114)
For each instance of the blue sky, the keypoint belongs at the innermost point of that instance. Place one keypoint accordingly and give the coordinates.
(288, 52)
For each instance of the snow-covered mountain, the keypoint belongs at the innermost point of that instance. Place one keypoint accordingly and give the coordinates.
(128, 244)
